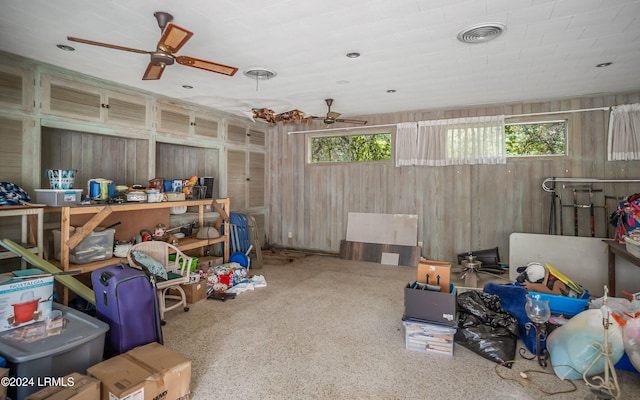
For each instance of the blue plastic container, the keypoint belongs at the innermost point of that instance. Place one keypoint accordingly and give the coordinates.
(564, 305)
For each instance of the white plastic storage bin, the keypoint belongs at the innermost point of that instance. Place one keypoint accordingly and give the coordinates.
(74, 348)
(58, 197)
(97, 246)
(429, 338)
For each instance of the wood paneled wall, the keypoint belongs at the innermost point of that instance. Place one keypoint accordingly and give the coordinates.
(460, 208)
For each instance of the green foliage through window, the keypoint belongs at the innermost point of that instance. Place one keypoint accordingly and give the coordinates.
(349, 148)
(536, 139)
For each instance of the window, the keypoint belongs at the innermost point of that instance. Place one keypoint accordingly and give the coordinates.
(547, 138)
(369, 146)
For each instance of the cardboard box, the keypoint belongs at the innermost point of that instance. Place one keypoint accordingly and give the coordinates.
(194, 291)
(207, 262)
(431, 306)
(4, 372)
(25, 300)
(429, 338)
(435, 273)
(148, 372)
(71, 387)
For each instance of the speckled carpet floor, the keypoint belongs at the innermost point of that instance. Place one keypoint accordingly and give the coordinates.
(326, 328)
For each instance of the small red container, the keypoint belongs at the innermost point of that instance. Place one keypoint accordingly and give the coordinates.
(24, 311)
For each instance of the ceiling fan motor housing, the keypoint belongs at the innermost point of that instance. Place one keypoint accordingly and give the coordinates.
(160, 57)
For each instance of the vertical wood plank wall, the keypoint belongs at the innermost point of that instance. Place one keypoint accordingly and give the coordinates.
(460, 208)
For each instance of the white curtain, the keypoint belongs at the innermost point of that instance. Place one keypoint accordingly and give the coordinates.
(624, 133)
(406, 142)
(473, 140)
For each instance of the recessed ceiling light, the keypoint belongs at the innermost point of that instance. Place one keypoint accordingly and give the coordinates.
(187, 86)
(65, 47)
(604, 64)
(353, 54)
(391, 91)
(481, 33)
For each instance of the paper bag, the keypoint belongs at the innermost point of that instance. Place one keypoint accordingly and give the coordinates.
(435, 273)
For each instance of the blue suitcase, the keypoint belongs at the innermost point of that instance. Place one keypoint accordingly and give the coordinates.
(126, 300)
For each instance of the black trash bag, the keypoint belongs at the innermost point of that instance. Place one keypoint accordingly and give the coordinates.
(485, 328)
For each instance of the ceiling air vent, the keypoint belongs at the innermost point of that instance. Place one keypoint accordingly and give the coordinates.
(481, 33)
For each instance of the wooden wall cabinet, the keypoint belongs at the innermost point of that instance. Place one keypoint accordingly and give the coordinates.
(246, 167)
(16, 88)
(62, 97)
(173, 119)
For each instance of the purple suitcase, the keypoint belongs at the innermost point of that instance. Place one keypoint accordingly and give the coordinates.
(126, 300)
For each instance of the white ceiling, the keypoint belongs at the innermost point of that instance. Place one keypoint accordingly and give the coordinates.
(549, 50)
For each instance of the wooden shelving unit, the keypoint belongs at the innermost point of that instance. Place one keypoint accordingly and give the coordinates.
(98, 214)
(31, 230)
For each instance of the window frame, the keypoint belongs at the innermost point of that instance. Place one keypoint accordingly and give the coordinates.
(390, 130)
(540, 119)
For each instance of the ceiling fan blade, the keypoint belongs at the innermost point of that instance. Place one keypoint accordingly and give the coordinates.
(110, 46)
(173, 38)
(333, 115)
(352, 121)
(153, 72)
(206, 65)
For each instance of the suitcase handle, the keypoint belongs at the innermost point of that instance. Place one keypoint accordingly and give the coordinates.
(105, 277)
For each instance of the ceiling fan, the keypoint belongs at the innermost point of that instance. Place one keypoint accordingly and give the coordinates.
(172, 39)
(332, 117)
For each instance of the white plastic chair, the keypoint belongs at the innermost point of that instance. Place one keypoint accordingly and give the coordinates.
(160, 251)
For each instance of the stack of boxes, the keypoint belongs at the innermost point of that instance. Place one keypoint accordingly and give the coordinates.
(56, 352)
(430, 309)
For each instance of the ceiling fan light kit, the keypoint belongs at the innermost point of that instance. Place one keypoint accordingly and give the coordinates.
(171, 41)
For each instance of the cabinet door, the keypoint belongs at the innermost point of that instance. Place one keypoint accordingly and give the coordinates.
(11, 138)
(236, 134)
(256, 179)
(126, 110)
(256, 137)
(237, 178)
(174, 120)
(15, 88)
(206, 125)
(71, 99)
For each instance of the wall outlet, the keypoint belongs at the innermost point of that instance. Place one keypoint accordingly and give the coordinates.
(420, 244)
(290, 235)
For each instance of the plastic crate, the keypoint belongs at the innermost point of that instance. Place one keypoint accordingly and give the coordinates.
(565, 305)
(633, 246)
(58, 197)
(192, 267)
(78, 346)
(429, 338)
(97, 246)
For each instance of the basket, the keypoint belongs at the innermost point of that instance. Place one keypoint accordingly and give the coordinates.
(61, 178)
(633, 246)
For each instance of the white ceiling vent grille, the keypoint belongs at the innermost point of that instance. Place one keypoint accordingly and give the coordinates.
(481, 33)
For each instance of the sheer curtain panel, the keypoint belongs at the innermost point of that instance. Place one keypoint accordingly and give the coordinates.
(472, 140)
(624, 133)
(406, 142)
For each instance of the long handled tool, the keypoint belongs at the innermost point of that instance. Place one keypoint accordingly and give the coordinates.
(59, 275)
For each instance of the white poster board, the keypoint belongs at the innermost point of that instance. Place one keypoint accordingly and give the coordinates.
(398, 229)
(582, 259)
